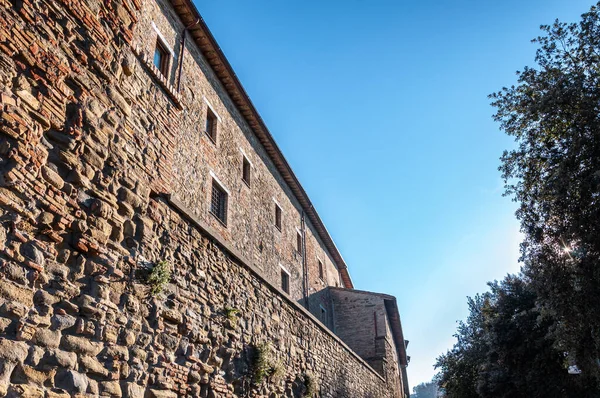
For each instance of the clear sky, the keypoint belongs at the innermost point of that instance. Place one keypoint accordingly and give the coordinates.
(381, 109)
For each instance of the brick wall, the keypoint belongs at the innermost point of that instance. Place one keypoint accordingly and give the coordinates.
(91, 133)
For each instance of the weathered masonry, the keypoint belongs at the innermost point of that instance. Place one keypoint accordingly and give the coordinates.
(154, 242)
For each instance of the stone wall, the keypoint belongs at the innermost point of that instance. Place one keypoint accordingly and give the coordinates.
(91, 140)
(251, 216)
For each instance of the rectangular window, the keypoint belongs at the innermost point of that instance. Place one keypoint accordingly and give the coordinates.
(246, 170)
(285, 281)
(211, 124)
(323, 314)
(161, 58)
(321, 273)
(218, 202)
(278, 216)
(299, 242)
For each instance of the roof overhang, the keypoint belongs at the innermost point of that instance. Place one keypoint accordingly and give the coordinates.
(207, 44)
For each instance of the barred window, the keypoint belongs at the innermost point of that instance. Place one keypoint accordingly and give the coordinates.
(218, 202)
(211, 125)
(246, 170)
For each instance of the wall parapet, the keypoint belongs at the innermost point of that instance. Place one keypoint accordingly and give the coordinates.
(243, 261)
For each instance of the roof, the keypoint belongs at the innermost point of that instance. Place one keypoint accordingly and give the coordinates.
(199, 31)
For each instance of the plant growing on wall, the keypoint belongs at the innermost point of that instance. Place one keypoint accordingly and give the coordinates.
(312, 388)
(231, 314)
(158, 277)
(264, 365)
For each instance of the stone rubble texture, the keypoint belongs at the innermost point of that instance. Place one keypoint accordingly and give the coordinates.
(92, 139)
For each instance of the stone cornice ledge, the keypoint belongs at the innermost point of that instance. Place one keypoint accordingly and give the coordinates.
(177, 205)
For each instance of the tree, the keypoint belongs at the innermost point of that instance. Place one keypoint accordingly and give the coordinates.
(506, 349)
(425, 390)
(554, 174)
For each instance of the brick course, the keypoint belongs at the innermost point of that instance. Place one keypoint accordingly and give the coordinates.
(93, 140)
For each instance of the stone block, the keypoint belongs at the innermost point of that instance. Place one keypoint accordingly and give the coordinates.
(71, 381)
(80, 345)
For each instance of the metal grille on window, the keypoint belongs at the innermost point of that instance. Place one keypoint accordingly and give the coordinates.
(218, 203)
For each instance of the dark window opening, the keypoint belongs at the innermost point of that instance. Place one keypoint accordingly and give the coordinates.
(278, 217)
(161, 58)
(211, 124)
(299, 242)
(321, 273)
(285, 282)
(246, 171)
(218, 203)
(323, 315)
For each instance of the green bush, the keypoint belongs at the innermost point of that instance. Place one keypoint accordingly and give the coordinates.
(158, 277)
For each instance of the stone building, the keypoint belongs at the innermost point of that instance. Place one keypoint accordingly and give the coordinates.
(128, 146)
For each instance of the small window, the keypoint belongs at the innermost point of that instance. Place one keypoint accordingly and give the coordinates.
(211, 124)
(246, 170)
(285, 281)
(218, 202)
(161, 58)
(278, 216)
(323, 315)
(299, 242)
(321, 273)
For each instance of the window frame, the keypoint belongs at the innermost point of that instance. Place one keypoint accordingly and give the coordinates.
(223, 201)
(285, 279)
(164, 57)
(321, 269)
(211, 123)
(323, 315)
(278, 216)
(299, 241)
(246, 170)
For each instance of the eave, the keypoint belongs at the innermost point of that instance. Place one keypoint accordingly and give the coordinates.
(206, 42)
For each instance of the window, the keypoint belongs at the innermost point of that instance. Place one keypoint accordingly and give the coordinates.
(285, 281)
(321, 273)
(218, 202)
(278, 216)
(246, 170)
(299, 242)
(323, 315)
(211, 124)
(161, 58)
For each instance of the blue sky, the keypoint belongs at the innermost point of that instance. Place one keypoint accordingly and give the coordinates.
(381, 109)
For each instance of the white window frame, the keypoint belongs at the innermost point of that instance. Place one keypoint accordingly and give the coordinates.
(289, 279)
(163, 41)
(214, 176)
(212, 109)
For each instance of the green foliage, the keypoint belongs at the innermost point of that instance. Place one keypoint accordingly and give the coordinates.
(425, 390)
(312, 387)
(263, 367)
(554, 175)
(277, 371)
(231, 314)
(506, 349)
(158, 277)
